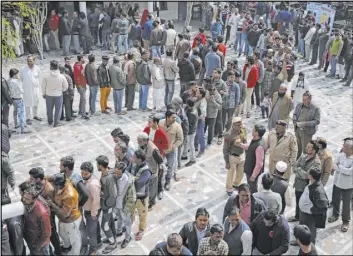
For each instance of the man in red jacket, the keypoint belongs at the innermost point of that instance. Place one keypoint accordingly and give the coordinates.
(80, 82)
(54, 29)
(250, 75)
(157, 135)
(200, 35)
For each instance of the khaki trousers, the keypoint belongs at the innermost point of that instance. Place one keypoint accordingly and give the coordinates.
(104, 97)
(142, 209)
(272, 167)
(235, 173)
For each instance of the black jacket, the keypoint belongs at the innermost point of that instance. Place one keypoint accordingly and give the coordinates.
(186, 70)
(281, 231)
(257, 206)
(5, 94)
(103, 78)
(319, 199)
(64, 26)
(189, 235)
(75, 26)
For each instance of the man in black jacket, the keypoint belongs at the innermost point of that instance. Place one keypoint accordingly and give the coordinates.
(65, 31)
(315, 44)
(313, 204)
(243, 199)
(186, 73)
(271, 234)
(74, 33)
(195, 231)
(6, 101)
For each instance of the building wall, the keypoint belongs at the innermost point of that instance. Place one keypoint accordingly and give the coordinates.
(170, 14)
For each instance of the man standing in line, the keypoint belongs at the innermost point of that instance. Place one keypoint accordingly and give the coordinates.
(91, 208)
(326, 158)
(65, 31)
(306, 118)
(108, 200)
(231, 101)
(301, 168)
(182, 46)
(130, 70)
(92, 81)
(282, 146)
(234, 155)
(170, 70)
(255, 156)
(307, 39)
(123, 34)
(118, 83)
(74, 32)
(81, 84)
(212, 61)
(143, 76)
(54, 29)
(30, 76)
(104, 84)
(53, 86)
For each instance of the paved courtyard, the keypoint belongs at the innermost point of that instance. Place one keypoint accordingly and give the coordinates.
(203, 184)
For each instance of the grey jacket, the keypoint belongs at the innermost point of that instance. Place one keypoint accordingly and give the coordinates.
(170, 69)
(83, 28)
(109, 190)
(156, 37)
(233, 96)
(272, 200)
(301, 170)
(222, 86)
(91, 74)
(242, 87)
(117, 77)
(312, 118)
(214, 103)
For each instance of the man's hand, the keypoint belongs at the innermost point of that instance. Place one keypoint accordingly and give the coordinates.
(237, 142)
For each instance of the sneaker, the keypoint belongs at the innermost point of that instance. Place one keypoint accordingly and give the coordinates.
(111, 247)
(184, 158)
(65, 250)
(293, 219)
(200, 154)
(125, 243)
(176, 178)
(29, 122)
(167, 186)
(37, 118)
(160, 195)
(58, 124)
(190, 163)
(121, 113)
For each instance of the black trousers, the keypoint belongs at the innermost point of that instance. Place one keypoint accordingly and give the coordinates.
(219, 125)
(5, 111)
(210, 124)
(228, 33)
(345, 195)
(94, 33)
(252, 184)
(315, 53)
(309, 221)
(130, 96)
(54, 238)
(68, 108)
(298, 194)
(347, 68)
(263, 111)
(256, 93)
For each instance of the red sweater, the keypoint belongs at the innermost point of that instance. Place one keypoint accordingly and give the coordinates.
(252, 77)
(54, 23)
(203, 40)
(223, 49)
(160, 139)
(79, 75)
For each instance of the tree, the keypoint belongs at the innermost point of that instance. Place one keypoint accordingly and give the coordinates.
(9, 37)
(38, 18)
(188, 14)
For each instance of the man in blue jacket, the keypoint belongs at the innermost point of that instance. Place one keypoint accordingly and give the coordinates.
(173, 246)
(212, 60)
(146, 32)
(216, 29)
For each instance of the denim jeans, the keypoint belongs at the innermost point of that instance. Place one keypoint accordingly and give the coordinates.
(123, 40)
(105, 40)
(42, 251)
(156, 51)
(89, 232)
(66, 44)
(52, 101)
(93, 91)
(250, 50)
(82, 104)
(301, 46)
(171, 157)
(76, 42)
(19, 113)
(200, 135)
(244, 43)
(118, 96)
(169, 92)
(123, 219)
(143, 96)
(237, 41)
(333, 63)
(190, 147)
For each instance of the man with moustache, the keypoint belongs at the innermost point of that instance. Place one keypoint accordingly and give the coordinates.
(282, 105)
(282, 146)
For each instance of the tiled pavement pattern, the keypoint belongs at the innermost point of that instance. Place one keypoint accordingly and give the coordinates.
(201, 185)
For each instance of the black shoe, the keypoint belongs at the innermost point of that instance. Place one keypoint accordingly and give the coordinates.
(84, 250)
(65, 250)
(119, 234)
(58, 124)
(106, 241)
(29, 122)
(125, 243)
(62, 118)
(160, 195)
(167, 186)
(190, 163)
(150, 207)
(184, 158)
(73, 116)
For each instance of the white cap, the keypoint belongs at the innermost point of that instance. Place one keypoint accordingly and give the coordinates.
(281, 166)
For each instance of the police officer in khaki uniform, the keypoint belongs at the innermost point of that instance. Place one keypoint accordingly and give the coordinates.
(234, 155)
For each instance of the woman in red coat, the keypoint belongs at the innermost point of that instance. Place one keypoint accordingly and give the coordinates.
(250, 76)
(200, 35)
(156, 134)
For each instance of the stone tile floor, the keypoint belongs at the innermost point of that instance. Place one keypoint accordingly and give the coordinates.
(201, 185)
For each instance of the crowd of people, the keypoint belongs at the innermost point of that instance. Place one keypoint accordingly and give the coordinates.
(215, 96)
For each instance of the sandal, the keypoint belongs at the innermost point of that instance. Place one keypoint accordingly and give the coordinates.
(110, 248)
(139, 236)
(344, 227)
(332, 219)
(219, 142)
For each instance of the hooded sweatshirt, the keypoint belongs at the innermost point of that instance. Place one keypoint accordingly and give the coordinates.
(54, 84)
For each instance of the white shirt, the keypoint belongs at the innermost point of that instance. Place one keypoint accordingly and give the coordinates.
(300, 87)
(343, 167)
(309, 35)
(151, 135)
(171, 36)
(305, 203)
(246, 240)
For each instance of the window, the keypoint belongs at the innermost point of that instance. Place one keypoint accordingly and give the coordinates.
(163, 6)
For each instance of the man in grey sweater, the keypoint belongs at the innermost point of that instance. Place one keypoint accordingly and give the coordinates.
(109, 194)
(272, 200)
(214, 104)
(118, 82)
